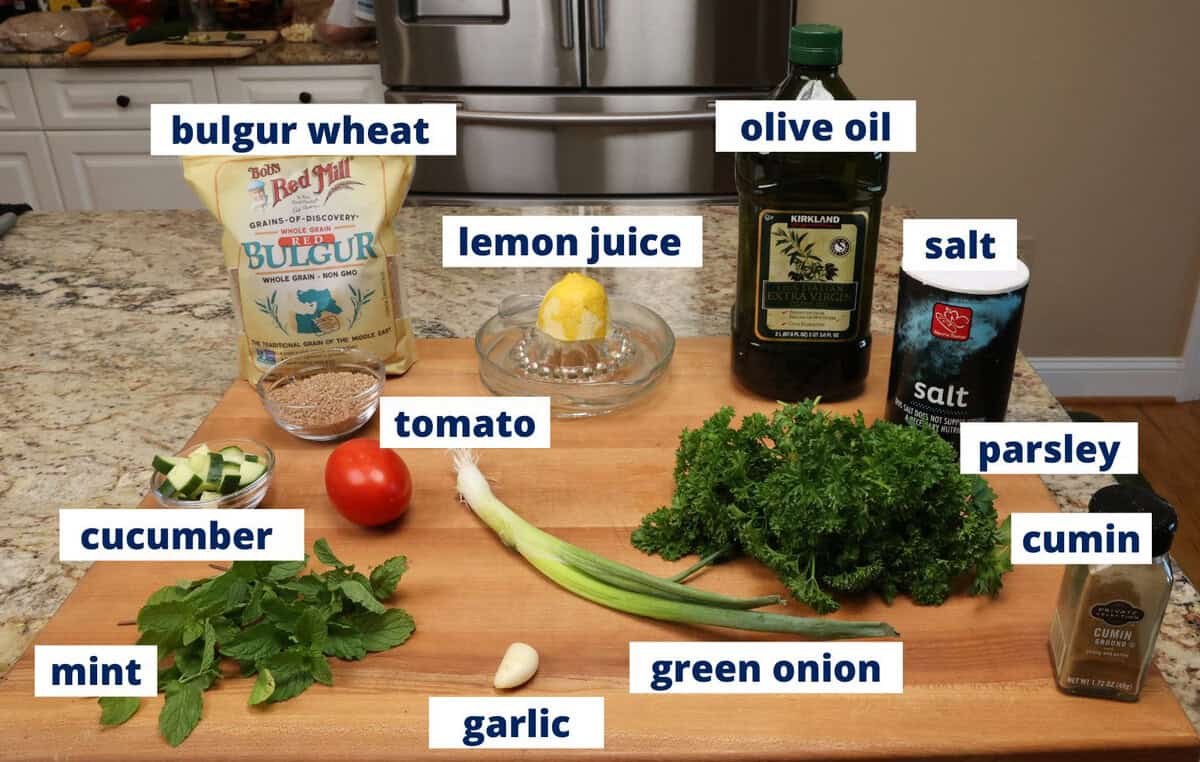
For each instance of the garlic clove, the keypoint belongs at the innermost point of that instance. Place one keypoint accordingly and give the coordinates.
(519, 664)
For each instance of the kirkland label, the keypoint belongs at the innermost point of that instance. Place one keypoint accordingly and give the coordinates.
(809, 275)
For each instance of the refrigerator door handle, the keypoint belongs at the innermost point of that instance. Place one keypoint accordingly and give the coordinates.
(566, 19)
(582, 119)
(599, 12)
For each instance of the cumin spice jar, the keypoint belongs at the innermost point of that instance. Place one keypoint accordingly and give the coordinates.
(1108, 615)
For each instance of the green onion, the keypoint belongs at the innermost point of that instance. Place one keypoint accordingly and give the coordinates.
(624, 588)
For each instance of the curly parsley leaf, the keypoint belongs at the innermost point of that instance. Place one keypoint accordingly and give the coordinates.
(831, 504)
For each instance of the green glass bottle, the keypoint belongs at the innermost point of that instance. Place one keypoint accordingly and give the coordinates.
(808, 225)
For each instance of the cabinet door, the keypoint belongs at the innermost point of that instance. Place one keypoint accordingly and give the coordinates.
(18, 110)
(26, 173)
(299, 84)
(114, 170)
(119, 98)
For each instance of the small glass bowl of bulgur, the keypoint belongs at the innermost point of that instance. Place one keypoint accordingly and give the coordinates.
(323, 394)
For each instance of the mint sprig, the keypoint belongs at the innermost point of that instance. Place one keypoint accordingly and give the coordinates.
(275, 621)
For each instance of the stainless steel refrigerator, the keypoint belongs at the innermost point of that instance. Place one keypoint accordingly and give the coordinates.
(570, 100)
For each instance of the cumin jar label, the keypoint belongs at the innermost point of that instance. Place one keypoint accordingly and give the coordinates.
(954, 347)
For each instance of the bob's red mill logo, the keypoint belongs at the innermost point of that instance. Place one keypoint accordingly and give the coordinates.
(316, 179)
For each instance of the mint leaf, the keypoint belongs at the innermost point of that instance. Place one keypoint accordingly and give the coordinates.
(264, 686)
(386, 576)
(225, 629)
(309, 586)
(358, 592)
(311, 628)
(192, 631)
(344, 644)
(165, 594)
(320, 669)
(163, 623)
(325, 555)
(379, 632)
(251, 570)
(217, 594)
(210, 647)
(292, 672)
(286, 570)
(180, 712)
(115, 710)
(254, 606)
(284, 615)
(255, 642)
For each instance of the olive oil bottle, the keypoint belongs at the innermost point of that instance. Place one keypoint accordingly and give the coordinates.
(808, 224)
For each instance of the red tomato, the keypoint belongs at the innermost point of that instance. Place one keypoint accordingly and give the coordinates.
(367, 484)
(137, 22)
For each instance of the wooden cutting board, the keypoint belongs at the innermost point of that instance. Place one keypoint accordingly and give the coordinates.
(977, 672)
(161, 51)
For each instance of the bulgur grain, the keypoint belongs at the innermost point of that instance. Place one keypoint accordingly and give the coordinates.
(328, 401)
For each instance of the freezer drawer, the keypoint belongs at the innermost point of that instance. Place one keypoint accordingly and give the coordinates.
(479, 43)
(686, 43)
(577, 145)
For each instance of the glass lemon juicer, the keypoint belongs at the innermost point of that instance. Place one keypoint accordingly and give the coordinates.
(590, 355)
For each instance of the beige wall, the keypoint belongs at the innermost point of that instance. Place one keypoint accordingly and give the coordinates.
(1081, 118)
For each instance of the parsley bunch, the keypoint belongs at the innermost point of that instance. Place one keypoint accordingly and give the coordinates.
(831, 504)
(269, 620)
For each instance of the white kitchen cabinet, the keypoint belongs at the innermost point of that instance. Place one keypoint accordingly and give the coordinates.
(116, 99)
(359, 83)
(18, 109)
(113, 169)
(27, 173)
(95, 151)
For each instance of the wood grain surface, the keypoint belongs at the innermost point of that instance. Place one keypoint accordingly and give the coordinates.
(978, 679)
(161, 51)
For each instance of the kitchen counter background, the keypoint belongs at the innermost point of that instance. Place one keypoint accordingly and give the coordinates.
(281, 53)
(93, 304)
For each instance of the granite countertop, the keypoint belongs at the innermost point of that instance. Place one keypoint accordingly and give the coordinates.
(280, 53)
(84, 295)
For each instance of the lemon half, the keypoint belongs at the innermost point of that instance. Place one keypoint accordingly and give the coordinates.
(574, 309)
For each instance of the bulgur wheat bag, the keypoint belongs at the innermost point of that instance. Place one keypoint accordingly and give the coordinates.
(310, 252)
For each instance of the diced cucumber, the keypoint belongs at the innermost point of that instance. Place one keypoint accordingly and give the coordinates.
(232, 454)
(164, 464)
(198, 459)
(183, 480)
(206, 475)
(215, 472)
(251, 472)
(231, 477)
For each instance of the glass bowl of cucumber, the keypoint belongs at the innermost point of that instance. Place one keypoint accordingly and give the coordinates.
(223, 473)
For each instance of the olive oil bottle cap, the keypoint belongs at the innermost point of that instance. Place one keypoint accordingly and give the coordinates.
(1125, 498)
(815, 45)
